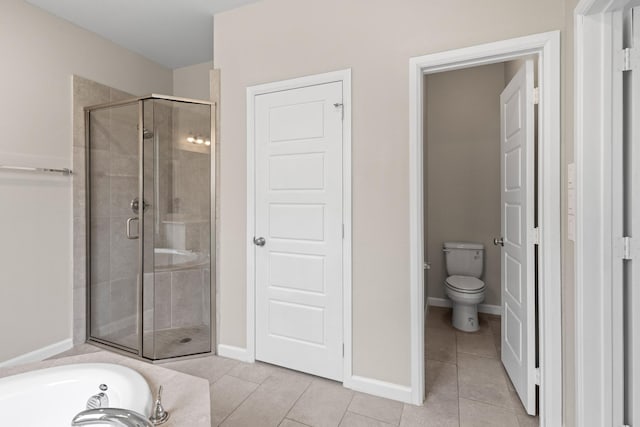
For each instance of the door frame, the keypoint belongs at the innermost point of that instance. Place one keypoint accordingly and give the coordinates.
(547, 46)
(598, 239)
(343, 76)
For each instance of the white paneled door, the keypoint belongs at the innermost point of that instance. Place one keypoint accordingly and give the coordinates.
(518, 263)
(298, 229)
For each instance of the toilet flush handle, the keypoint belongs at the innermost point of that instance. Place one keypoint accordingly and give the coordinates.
(498, 241)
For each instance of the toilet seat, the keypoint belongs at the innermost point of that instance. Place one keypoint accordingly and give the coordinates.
(465, 284)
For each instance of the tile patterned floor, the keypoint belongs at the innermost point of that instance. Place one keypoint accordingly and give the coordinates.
(466, 387)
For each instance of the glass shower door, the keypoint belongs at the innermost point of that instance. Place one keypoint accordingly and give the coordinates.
(113, 165)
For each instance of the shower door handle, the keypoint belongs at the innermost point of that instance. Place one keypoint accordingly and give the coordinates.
(129, 221)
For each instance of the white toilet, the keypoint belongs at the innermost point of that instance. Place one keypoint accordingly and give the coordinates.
(463, 285)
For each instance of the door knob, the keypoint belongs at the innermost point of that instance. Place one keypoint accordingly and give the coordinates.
(259, 241)
(498, 241)
(135, 205)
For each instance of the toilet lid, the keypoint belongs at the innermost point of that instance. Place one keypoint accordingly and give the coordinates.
(465, 283)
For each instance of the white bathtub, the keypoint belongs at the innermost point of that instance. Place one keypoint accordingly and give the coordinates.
(52, 397)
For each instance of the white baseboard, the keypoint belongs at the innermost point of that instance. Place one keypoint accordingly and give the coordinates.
(379, 388)
(482, 308)
(39, 354)
(233, 352)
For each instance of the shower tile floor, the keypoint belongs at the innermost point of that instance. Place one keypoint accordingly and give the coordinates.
(466, 387)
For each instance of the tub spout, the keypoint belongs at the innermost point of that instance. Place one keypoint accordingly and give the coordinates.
(112, 416)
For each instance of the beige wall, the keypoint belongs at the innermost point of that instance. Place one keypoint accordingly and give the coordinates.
(462, 145)
(39, 55)
(279, 39)
(192, 81)
(512, 67)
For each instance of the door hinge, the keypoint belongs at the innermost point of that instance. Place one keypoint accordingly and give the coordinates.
(340, 105)
(343, 231)
(626, 59)
(536, 95)
(537, 375)
(626, 248)
(342, 349)
(535, 235)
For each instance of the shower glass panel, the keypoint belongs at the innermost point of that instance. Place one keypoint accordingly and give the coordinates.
(178, 240)
(112, 183)
(149, 226)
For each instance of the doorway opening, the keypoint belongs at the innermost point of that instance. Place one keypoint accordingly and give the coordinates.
(533, 221)
(479, 203)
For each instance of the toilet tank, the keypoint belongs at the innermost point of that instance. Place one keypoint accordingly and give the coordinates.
(464, 258)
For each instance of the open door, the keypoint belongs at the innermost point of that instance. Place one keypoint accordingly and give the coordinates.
(518, 264)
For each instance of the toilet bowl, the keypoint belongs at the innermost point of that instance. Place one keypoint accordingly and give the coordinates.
(466, 293)
(464, 261)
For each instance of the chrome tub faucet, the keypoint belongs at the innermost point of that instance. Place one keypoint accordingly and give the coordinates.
(112, 416)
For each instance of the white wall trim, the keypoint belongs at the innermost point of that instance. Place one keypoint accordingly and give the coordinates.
(233, 352)
(547, 45)
(598, 338)
(381, 388)
(39, 354)
(343, 76)
(482, 308)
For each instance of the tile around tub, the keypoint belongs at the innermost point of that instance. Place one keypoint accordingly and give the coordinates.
(478, 344)
(352, 419)
(76, 351)
(478, 414)
(379, 408)
(440, 344)
(323, 404)
(226, 395)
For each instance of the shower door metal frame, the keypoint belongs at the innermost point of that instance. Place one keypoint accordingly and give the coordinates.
(140, 282)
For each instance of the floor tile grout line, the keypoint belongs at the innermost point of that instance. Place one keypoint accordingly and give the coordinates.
(295, 421)
(243, 400)
(478, 355)
(296, 401)
(505, 409)
(353, 394)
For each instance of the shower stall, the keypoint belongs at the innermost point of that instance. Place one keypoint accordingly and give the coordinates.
(150, 240)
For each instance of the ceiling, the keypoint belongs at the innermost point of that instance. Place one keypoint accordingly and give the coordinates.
(174, 33)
